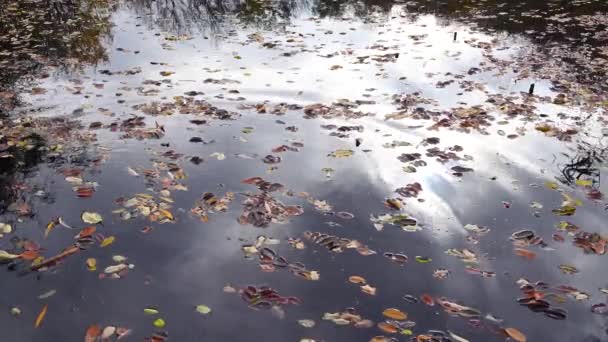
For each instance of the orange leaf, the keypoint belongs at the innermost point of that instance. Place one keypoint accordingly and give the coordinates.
(395, 314)
(41, 316)
(93, 331)
(515, 334)
(29, 255)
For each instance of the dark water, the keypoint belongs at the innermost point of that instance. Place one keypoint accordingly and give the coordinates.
(97, 61)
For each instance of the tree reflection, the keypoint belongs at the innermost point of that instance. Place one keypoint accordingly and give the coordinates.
(66, 34)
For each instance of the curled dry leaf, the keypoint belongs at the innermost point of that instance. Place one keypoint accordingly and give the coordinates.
(515, 334)
(357, 280)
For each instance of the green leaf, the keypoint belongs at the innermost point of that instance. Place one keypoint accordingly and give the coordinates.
(203, 309)
(150, 311)
(159, 323)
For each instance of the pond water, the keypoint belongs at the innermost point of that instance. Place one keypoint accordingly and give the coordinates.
(467, 137)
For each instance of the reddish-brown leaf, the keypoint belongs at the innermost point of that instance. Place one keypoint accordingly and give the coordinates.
(86, 232)
(93, 332)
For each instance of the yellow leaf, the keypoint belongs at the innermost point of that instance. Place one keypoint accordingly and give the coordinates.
(107, 241)
(341, 153)
(551, 185)
(41, 316)
(49, 227)
(92, 264)
(584, 182)
(166, 213)
(6, 255)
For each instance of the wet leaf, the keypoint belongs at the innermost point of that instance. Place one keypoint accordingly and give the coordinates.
(86, 232)
(306, 323)
(396, 314)
(388, 328)
(91, 217)
(108, 332)
(357, 280)
(47, 294)
(341, 153)
(568, 269)
(151, 311)
(159, 323)
(515, 334)
(552, 185)
(91, 264)
(218, 155)
(41, 316)
(423, 260)
(370, 290)
(427, 299)
(92, 334)
(203, 309)
(107, 241)
(4, 255)
(584, 182)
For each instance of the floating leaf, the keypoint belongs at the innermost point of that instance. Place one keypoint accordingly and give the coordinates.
(91, 217)
(92, 333)
(370, 290)
(341, 153)
(566, 210)
(5, 228)
(568, 269)
(108, 332)
(427, 299)
(524, 253)
(218, 155)
(86, 232)
(388, 328)
(203, 309)
(151, 311)
(91, 264)
(107, 241)
(47, 294)
(423, 260)
(40, 316)
(357, 280)
(584, 182)
(516, 334)
(159, 323)
(552, 185)
(4, 255)
(306, 323)
(396, 314)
